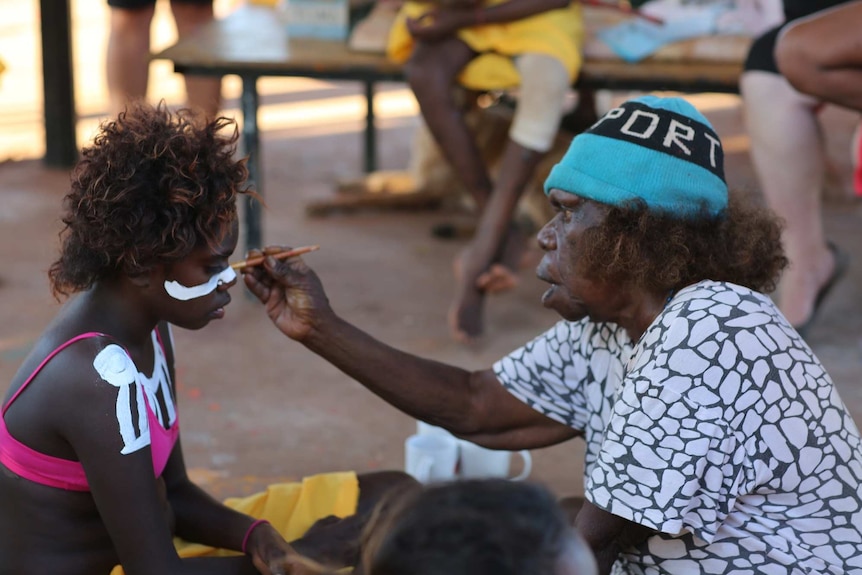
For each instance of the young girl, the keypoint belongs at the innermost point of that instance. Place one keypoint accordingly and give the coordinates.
(92, 472)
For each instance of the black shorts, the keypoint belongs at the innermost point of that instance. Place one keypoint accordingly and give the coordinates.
(761, 55)
(135, 4)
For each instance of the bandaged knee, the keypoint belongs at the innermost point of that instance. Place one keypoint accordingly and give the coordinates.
(541, 97)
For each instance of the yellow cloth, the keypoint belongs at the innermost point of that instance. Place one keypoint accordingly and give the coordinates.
(292, 508)
(557, 33)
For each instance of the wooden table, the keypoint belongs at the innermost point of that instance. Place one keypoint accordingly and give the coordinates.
(252, 42)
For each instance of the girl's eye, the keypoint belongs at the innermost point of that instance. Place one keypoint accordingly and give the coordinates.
(566, 215)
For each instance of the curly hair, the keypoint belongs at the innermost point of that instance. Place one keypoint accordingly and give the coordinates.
(153, 186)
(662, 252)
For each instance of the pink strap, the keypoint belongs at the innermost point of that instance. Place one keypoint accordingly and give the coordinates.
(51, 355)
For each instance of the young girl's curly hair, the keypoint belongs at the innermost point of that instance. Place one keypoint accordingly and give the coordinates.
(153, 186)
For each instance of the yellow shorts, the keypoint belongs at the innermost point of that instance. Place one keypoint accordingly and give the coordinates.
(292, 508)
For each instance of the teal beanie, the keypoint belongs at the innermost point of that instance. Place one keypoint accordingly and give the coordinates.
(659, 150)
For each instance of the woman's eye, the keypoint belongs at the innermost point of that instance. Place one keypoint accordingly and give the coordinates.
(566, 215)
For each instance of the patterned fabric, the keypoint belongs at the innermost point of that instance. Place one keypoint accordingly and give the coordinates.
(720, 429)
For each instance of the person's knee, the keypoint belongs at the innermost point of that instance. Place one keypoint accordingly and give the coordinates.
(132, 22)
(189, 16)
(424, 74)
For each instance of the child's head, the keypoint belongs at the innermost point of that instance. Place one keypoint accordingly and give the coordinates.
(476, 527)
(152, 187)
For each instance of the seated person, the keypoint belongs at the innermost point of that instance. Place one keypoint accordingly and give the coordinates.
(91, 469)
(532, 45)
(474, 527)
(787, 151)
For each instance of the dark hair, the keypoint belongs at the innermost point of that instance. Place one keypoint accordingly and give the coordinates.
(152, 187)
(471, 527)
(661, 252)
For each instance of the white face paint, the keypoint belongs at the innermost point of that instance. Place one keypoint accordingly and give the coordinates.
(184, 293)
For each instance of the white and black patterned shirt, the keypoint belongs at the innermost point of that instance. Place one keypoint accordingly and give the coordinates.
(720, 429)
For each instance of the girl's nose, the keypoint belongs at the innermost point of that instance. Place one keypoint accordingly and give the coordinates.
(227, 279)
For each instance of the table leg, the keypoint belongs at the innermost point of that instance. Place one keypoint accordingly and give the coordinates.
(249, 102)
(61, 149)
(370, 130)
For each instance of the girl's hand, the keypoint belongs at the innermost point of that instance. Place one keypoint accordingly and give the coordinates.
(269, 551)
(292, 293)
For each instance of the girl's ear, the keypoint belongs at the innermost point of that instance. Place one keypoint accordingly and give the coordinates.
(154, 276)
(140, 280)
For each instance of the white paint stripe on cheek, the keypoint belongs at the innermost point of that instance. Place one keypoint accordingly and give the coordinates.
(183, 293)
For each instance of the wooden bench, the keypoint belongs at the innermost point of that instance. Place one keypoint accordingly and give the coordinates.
(252, 43)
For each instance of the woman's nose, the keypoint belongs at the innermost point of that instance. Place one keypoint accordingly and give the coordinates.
(547, 239)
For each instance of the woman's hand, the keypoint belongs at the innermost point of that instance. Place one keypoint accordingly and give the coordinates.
(290, 290)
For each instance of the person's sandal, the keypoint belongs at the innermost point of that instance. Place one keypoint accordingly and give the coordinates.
(842, 260)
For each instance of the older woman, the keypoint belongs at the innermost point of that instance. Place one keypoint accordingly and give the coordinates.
(716, 441)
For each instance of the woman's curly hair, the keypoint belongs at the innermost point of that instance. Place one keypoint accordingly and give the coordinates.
(662, 252)
(153, 186)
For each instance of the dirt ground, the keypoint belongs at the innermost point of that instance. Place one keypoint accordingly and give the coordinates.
(258, 408)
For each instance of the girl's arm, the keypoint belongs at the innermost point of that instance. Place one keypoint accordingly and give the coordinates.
(94, 413)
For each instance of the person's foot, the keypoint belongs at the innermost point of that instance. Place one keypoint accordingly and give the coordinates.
(503, 274)
(805, 287)
(497, 279)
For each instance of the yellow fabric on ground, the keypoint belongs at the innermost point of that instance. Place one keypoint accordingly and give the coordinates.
(292, 508)
(557, 33)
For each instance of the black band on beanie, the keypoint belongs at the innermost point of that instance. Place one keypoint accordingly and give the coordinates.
(663, 131)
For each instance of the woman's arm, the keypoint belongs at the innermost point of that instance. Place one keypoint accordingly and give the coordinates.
(472, 405)
(821, 55)
(607, 534)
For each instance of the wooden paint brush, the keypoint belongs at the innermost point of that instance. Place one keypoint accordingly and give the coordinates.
(251, 262)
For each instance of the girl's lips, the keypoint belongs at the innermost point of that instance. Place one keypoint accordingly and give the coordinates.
(217, 313)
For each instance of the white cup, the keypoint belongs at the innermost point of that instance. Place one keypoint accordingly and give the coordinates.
(478, 462)
(431, 457)
(423, 428)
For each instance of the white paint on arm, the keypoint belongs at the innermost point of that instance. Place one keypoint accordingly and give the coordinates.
(115, 366)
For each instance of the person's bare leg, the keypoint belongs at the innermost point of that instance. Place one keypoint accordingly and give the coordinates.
(787, 152)
(202, 92)
(544, 84)
(431, 73)
(516, 167)
(127, 61)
